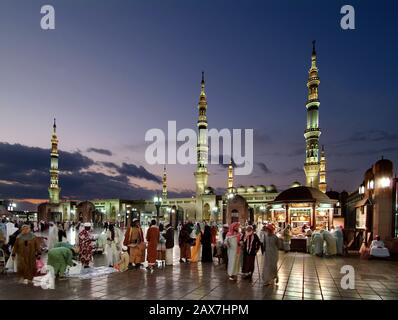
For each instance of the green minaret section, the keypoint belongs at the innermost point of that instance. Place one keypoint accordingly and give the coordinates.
(312, 132)
(54, 190)
(201, 173)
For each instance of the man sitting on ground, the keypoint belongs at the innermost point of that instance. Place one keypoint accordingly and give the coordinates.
(377, 249)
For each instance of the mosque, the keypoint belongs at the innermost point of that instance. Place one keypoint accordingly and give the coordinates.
(298, 205)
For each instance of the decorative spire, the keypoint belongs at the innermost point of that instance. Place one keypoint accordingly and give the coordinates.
(313, 48)
(202, 148)
(312, 131)
(202, 92)
(230, 176)
(164, 191)
(54, 189)
(322, 171)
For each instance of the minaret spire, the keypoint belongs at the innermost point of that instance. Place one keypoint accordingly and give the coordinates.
(312, 132)
(54, 189)
(201, 173)
(322, 171)
(230, 177)
(164, 191)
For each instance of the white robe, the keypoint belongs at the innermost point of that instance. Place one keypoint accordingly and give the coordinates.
(271, 256)
(317, 243)
(233, 257)
(52, 237)
(111, 251)
(377, 249)
(10, 230)
(338, 235)
(331, 247)
(169, 257)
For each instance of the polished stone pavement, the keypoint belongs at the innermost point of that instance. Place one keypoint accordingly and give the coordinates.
(302, 276)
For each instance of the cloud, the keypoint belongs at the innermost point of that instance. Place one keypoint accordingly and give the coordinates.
(264, 167)
(132, 170)
(100, 151)
(24, 173)
(138, 172)
(16, 159)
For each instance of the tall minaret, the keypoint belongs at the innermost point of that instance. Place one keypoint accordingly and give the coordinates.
(164, 191)
(201, 173)
(312, 133)
(322, 171)
(54, 189)
(230, 177)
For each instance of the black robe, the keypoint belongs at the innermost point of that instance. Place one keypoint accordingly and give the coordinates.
(206, 245)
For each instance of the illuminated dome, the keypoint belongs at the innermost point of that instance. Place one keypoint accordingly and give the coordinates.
(241, 189)
(209, 190)
(233, 190)
(251, 189)
(271, 188)
(260, 188)
(295, 184)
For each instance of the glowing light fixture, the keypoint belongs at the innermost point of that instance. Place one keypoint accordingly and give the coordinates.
(385, 182)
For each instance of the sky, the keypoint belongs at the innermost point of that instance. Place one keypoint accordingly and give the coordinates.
(112, 70)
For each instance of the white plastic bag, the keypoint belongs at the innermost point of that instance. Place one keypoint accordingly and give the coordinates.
(11, 265)
(47, 281)
(75, 270)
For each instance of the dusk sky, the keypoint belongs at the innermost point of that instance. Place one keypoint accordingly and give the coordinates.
(111, 70)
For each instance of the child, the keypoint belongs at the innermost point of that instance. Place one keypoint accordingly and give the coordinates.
(123, 264)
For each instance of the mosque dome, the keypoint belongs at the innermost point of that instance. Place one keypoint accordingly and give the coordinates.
(271, 188)
(302, 194)
(260, 188)
(209, 190)
(295, 184)
(241, 189)
(251, 189)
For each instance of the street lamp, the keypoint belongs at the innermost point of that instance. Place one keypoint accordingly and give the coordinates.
(12, 206)
(158, 202)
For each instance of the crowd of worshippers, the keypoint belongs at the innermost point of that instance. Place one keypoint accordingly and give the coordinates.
(234, 245)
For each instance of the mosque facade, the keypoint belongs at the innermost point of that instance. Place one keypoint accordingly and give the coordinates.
(205, 205)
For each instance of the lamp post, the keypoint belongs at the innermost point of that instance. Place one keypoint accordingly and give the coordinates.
(12, 205)
(158, 202)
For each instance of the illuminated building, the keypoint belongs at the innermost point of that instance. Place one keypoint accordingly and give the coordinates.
(54, 190)
(372, 209)
(201, 173)
(322, 171)
(51, 211)
(300, 206)
(312, 132)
